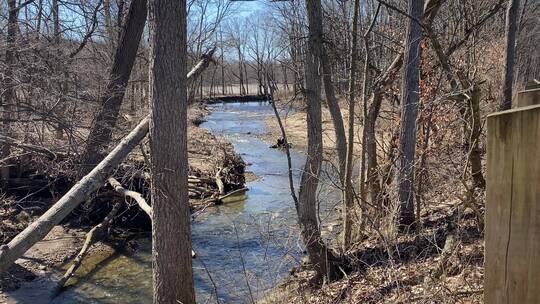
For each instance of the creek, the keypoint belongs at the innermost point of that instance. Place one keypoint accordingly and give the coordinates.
(243, 248)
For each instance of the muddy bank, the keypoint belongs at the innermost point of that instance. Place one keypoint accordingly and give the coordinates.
(41, 183)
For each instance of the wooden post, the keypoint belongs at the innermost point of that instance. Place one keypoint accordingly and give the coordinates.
(512, 237)
(528, 97)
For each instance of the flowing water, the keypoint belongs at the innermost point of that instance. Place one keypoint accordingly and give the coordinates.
(243, 248)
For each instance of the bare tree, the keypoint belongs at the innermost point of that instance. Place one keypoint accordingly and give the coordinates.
(171, 232)
(510, 53)
(410, 99)
(8, 90)
(320, 256)
(348, 207)
(102, 126)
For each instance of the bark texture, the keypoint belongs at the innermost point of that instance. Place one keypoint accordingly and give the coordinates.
(475, 126)
(8, 90)
(335, 112)
(510, 53)
(171, 231)
(410, 99)
(319, 255)
(348, 208)
(102, 127)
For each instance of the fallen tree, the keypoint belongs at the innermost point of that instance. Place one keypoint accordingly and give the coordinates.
(84, 187)
(92, 236)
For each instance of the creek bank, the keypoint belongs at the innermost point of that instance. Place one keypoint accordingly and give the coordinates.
(39, 182)
(294, 121)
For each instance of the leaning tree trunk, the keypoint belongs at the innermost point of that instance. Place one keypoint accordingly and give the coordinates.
(370, 142)
(470, 110)
(111, 100)
(335, 112)
(87, 185)
(410, 99)
(510, 53)
(319, 255)
(8, 90)
(171, 231)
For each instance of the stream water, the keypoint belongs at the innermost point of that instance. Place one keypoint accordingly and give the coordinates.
(243, 248)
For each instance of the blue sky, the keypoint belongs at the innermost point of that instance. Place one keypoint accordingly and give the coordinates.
(248, 7)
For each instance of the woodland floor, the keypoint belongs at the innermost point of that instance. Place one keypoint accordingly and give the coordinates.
(391, 268)
(403, 270)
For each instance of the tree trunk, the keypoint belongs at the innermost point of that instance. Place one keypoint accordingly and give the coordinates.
(109, 29)
(319, 255)
(475, 154)
(335, 112)
(171, 231)
(111, 100)
(222, 64)
(8, 90)
(510, 53)
(39, 16)
(469, 110)
(410, 99)
(60, 68)
(348, 208)
(285, 80)
(370, 140)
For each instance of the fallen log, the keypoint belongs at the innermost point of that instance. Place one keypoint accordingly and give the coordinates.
(137, 197)
(233, 196)
(195, 184)
(77, 194)
(92, 236)
(83, 188)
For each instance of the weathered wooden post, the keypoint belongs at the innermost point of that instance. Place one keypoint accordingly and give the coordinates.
(528, 97)
(512, 242)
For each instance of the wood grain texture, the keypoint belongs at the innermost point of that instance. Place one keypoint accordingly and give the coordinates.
(512, 249)
(528, 98)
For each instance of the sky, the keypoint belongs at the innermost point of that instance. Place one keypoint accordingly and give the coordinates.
(248, 7)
